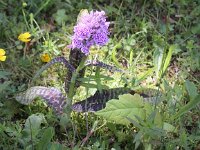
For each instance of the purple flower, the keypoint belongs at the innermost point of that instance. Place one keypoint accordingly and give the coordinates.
(91, 29)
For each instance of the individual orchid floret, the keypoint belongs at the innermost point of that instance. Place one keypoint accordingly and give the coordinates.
(91, 29)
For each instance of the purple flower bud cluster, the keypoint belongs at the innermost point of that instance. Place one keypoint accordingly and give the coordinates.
(91, 29)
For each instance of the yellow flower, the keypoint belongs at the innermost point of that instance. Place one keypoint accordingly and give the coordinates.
(45, 57)
(24, 37)
(2, 55)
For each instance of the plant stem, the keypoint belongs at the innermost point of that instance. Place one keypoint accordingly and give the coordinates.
(24, 15)
(73, 81)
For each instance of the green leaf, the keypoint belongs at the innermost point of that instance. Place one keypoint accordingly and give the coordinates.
(191, 89)
(4, 74)
(60, 16)
(57, 146)
(46, 138)
(64, 120)
(168, 58)
(158, 58)
(33, 124)
(145, 75)
(114, 55)
(90, 85)
(196, 29)
(169, 128)
(128, 106)
(187, 107)
(121, 136)
(5, 86)
(138, 139)
(93, 78)
(131, 58)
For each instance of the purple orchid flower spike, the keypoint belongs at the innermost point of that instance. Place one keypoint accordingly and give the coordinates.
(91, 29)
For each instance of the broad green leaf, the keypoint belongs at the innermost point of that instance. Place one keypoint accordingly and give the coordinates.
(196, 29)
(138, 139)
(64, 120)
(4, 74)
(187, 107)
(5, 86)
(168, 58)
(155, 117)
(191, 89)
(128, 106)
(33, 124)
(60, 16)
(57, 146)
(168, 127)
(46, 138)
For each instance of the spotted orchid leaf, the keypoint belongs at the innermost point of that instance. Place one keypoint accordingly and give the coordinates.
(51, 95)
(98, 100)
(103, 65)
(53, 61)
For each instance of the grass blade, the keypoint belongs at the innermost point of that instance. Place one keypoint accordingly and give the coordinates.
(168, 58)
(187, 107)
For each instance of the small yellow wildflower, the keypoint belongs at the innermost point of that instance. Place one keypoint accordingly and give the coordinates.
(2, 55)
(24, 37)
(45, 57)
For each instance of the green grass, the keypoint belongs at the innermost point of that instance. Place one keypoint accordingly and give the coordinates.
(155, 42)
